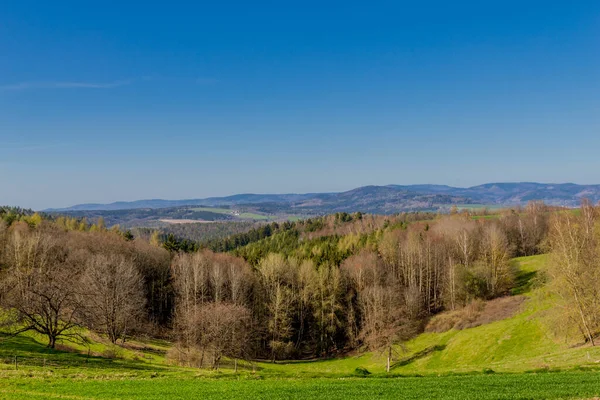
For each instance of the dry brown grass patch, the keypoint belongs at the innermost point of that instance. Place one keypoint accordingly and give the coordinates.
(475, 314)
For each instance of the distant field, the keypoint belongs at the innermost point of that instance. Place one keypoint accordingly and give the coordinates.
(477, 207)
(184, 221)
(228, 211)
(211, 209)
(248, 215)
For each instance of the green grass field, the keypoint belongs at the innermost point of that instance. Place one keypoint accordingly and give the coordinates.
(513, 358)
(245, 215)
(511, 386)
(479, 207)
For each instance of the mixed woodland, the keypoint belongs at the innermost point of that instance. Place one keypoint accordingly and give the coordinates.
(315, 288)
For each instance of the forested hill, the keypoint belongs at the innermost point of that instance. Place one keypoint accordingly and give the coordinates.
(321, 287)
(381, 199)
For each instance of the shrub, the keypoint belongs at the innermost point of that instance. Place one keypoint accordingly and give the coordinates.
(361, 371)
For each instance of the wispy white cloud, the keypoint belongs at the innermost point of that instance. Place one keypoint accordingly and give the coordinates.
(63, 85)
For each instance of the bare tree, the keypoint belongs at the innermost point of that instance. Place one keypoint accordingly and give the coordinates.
(576, 268)
(113, 294)
(496, 255)
(240, 280)
(277, 282)
(381, 301)
(327, 306)
(223, 330)
(40, 284)
(361, 271)
(386, 320)
(3, 228)
(211, 314)
(306, 278)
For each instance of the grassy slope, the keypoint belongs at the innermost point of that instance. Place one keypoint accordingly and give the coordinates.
(520, 343)
(98, 355)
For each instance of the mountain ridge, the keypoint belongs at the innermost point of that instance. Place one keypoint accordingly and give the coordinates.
(385, 198)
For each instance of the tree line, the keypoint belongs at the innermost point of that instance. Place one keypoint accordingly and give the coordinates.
(309, 289)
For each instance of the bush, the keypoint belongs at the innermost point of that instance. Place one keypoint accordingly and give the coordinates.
(113, 352)
(188, 357)
(360, 371)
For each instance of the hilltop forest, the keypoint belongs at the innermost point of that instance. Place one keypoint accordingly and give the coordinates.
(314, 288)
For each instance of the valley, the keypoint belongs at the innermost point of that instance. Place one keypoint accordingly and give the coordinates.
(476, 342)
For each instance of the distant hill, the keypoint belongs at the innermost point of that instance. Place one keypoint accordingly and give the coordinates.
(210, 202)
(378, 199)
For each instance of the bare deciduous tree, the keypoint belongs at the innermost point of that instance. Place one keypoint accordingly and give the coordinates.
(211, 314)
(496, 255)
(386, 320)
(223, 330)
(40, 284)
(576, 268)
(112, 291)
(277, 281)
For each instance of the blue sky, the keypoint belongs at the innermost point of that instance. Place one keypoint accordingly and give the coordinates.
(106, 101)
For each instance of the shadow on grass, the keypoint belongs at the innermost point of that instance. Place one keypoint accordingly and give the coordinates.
(523, 282)
(32, 353)
(418, 355)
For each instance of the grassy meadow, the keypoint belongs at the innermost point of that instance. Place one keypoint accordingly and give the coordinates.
(511, 358)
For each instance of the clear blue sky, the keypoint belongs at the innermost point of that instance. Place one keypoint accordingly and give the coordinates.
(105, 101)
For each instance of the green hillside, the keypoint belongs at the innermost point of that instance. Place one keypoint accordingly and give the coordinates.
(519, 343)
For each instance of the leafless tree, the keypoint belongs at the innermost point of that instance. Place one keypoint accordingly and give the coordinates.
(496, 255)
(223, 330)
(211, 312)
(277, 283)
(40, 284)
(386, 320)
(112, 291)
(576, 267)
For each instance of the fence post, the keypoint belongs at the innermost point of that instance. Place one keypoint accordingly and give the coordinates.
(16, 364)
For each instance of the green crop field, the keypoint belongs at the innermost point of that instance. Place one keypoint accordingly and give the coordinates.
(478, 207)
(514, 386)
(512, 358)
(258, 217)
(213, 209)
(228, 211)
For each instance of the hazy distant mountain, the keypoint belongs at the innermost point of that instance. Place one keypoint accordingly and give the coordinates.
(210, 201)
(382, 199)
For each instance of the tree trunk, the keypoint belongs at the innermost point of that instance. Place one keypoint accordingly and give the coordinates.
(584, 319)
(389, 359)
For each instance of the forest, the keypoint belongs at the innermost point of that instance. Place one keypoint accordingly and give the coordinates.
(315, 288)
